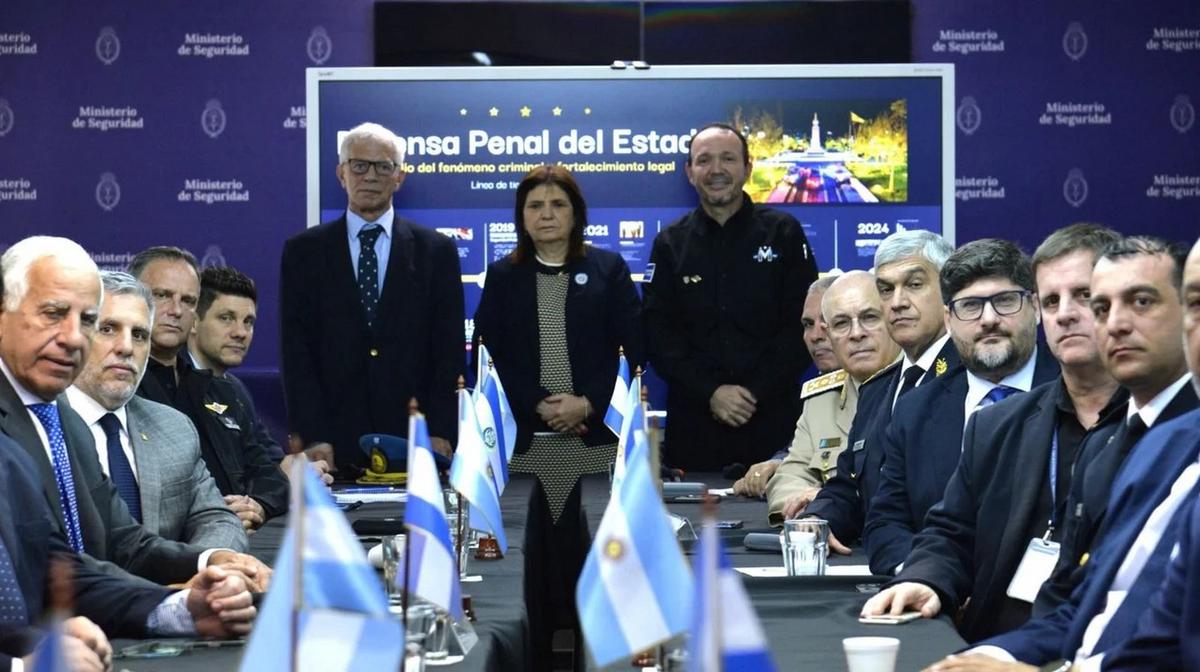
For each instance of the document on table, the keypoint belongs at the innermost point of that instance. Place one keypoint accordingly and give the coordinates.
(721, 492)
(830, 570)
(369, 495)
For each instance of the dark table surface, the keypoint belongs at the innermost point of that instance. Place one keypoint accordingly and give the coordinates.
(804, 618)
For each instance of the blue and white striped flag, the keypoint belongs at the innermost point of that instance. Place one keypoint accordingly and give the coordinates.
(634, 590)
(615, 417)
(344, 622)
(489, 387)
(471, 473)
(432, 564)
(634, 420)
(726, 635)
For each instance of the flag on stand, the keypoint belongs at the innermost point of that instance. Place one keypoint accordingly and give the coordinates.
(634, 590)
(341, 608)
(615, 417)
(634, 420)
(48, 656)
(471, 473)
(489, 387)
(432, 563)
(726, 635)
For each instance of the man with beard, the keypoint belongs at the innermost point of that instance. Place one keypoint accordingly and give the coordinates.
(1008, 494)
(816, 340)
(723, 297)
(992, 318)
(149, 451)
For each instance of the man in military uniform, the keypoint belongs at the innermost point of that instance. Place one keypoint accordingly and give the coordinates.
(816, 339)
(723, 296)
(853, 315)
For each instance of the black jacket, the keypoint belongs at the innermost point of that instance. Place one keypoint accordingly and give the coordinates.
(342, 378)
(238, 462)
(602, 315)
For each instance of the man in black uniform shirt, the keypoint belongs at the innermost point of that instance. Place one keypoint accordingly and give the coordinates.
(253, 486)
(723, 299)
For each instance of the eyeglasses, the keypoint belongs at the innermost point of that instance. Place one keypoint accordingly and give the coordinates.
(382, 168)
(1004, 303)
(842, 324)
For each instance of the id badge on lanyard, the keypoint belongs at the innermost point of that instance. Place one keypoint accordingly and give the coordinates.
(1041, 555)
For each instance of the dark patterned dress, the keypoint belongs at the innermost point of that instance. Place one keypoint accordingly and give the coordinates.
(558, 460)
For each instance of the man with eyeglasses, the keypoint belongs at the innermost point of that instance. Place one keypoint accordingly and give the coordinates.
(992, 318)
(853, 315)
(371, 313)
(1006, 503)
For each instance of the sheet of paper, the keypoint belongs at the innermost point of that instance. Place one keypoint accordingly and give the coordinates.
(830, 570)
(369, 497)
(721, 492)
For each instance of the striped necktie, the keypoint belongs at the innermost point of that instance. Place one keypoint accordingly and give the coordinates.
(47, 414)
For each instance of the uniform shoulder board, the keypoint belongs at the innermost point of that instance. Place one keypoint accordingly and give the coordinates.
(884, 371)
(830, 381)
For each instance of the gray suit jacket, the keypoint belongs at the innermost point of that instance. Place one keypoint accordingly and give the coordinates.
(109, 532)
(179, 497)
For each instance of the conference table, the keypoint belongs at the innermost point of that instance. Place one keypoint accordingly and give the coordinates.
(804, 618)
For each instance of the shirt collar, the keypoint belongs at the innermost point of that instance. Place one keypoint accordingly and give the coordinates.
(925, 361)
(1158, 404)
(354, 223)
(1021, 379)
(197, 365)
(90, 410)
(27, 398)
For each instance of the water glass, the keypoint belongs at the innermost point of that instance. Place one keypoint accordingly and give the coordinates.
(393, 565)
(805, 544)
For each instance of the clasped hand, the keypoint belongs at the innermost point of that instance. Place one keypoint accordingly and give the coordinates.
(565, 413)
(733, 405)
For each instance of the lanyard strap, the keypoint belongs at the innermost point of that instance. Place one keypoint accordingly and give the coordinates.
(1053, 483)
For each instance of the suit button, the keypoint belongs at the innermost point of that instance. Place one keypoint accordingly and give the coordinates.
(374, 352)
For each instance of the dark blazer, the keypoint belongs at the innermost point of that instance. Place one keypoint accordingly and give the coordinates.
(602, 315)
(1096, 465)
(237, 460)
(1168, 633)
(31, 536)
(109, 532)
(845, 499)
(1144, 483)
(993, 505)
(343, 379)
(922, 447)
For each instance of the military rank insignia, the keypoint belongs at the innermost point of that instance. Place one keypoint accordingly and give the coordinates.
(940, 366)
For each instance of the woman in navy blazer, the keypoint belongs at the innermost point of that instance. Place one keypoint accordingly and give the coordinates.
(601, 314)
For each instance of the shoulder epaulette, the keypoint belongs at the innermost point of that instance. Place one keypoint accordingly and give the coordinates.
(829, 381)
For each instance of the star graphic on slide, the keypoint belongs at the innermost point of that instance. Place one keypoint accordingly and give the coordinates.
(525, 111)
(557, 111)
(462, 111)
(494, 112)
(587, 110)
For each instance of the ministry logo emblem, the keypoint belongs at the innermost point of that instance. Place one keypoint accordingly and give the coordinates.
(108, 46)
(1075, 41)
(212, 257)
(108, 192)
(1075, 188)
(968, 116)
(1183, 115)
(320, 47)
(212, 120)
(6, 118)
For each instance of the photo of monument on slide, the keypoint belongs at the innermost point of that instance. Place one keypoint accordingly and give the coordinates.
(827, 151)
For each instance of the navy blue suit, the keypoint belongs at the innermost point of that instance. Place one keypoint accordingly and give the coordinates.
(31, 537)
(1140, 487)
(602, 315)
(993, 505)
(1168, 634)
(922, 447)
(1096, 466)
(845, 499)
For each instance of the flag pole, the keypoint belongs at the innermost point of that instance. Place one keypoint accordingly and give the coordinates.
(298, 510)
(412, 415)
(458, 520)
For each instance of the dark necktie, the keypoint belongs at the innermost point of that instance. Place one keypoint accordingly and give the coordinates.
(909, 383)
(119, 470)
(368, 270)
(997, 394)
(12, 602)
(1135, 429)
(47, 414)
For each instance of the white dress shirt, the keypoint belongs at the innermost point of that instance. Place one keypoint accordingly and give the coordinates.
(91, 411)
(925, 361)
(28, 398)
(978, 388)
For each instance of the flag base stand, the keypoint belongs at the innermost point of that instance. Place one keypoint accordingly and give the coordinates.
(463, 637)
(489, 549)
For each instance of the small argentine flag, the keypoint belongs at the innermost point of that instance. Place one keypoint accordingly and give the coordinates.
(632, 593)
(616, 405)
